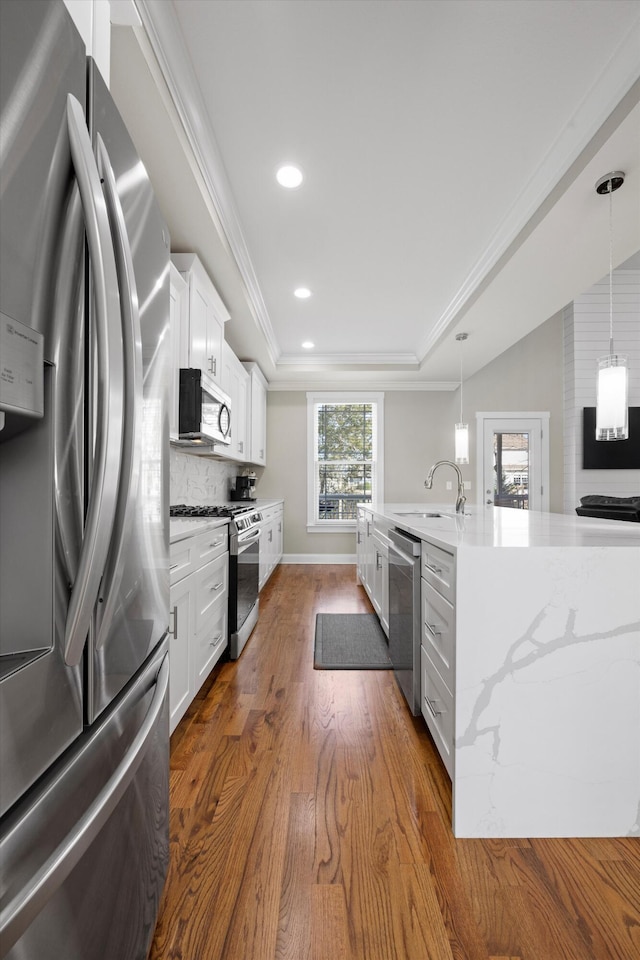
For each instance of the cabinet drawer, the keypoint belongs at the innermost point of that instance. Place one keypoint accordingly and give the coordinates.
(438, 631)
(210, 641)
(211, 544)
(437, 709)
(182, 559)
(211, 585)
(438, 569)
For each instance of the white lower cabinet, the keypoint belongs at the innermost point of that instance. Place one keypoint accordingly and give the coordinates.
(271, 542)
(180, 653)
(437, 652)
(372, 557)
(437, 709)
(380, 585)
(199, 571)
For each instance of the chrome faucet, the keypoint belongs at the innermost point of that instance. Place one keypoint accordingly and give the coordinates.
(461, 499)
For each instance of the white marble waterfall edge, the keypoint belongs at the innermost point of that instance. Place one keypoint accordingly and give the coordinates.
(547, 716)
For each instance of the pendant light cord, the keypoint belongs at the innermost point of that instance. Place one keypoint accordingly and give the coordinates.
(611, 267)
(461, 420)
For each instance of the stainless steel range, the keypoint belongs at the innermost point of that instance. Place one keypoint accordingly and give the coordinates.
(244, 557)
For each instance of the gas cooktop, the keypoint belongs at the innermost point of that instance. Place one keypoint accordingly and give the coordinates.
(222, 510)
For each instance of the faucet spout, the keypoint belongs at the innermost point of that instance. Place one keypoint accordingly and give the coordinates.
(460, 499)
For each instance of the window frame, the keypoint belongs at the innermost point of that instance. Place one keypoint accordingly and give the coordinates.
(314, 524)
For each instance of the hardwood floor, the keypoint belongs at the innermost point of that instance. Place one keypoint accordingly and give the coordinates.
(311, 821)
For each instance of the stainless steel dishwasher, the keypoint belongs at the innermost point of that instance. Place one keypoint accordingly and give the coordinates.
(404, 614)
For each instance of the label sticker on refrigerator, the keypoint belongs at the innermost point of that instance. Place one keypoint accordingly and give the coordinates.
(21, 368)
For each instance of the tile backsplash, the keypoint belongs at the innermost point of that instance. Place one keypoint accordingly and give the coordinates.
(197, 481)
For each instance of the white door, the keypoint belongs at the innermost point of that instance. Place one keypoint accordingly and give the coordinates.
(513, 460)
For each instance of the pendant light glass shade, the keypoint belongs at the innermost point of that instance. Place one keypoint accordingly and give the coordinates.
(461, 435)
(462, 443)
(612, 402)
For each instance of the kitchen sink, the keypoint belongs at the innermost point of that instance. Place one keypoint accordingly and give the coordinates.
(422, 516)
(426, 515)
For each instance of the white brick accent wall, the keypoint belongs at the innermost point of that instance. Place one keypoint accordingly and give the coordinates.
(586, 339)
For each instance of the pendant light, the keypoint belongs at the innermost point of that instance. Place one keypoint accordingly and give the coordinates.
(612, 405)
(462, 429)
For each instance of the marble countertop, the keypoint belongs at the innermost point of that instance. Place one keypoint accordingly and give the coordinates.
(182, 527)
(482, 526)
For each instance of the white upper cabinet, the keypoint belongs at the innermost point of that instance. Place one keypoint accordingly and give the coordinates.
(179, 332)
(258, 415)
(235, 382)
(207, 317)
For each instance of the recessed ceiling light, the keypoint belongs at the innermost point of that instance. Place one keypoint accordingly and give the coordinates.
(302, 293)
(308, 345)
(289, 176)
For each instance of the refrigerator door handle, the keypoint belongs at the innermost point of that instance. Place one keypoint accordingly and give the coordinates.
(106, 468)
(131, 441)
(26, 904)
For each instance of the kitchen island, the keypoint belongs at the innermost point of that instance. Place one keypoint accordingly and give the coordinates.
(543, 679)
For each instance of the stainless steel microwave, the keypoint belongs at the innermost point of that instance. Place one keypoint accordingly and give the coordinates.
(205, 410)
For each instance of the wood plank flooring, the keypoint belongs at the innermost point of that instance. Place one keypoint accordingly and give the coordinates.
(310, 820)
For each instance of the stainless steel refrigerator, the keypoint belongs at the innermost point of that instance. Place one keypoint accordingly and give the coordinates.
(84, 584)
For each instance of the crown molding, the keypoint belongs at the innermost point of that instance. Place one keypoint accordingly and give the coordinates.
(347, 359)
(598, 103)
(163, 32)
(385, 386)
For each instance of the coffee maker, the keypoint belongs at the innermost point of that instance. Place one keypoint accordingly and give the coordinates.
(245, 488)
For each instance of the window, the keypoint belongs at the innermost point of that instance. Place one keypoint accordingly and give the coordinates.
(345, 465)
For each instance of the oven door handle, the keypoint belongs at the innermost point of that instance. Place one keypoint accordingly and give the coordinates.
(248, 540)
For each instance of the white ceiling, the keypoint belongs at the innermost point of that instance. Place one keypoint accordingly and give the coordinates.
(450, 151)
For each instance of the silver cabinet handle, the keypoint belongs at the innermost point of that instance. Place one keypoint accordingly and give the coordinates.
(106, 467)
(174, 631)
(216, 543)
(174, 566)
(132, 438)
(240, 446)
(215, 587)
(432, 710)
(27, 902)
(433, 568)
(432, 627)
(213, 365)
(216, 640)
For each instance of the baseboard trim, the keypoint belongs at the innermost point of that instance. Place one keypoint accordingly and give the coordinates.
(319, 558)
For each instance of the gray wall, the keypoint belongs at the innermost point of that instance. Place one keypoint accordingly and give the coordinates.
(418, 431)
(528, 376)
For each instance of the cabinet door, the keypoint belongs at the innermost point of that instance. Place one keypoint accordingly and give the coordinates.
(210, 641)
(369, 555)
(361, 528)
(180, 643)
(258, 421)
(179, 333)
(240, 415)
(278, 538)
(206, 332)
(207, 317)
(235, 382)
(258, 415)
(211, 585)
(264, 563)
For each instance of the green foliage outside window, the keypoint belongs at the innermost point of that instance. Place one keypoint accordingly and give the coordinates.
(344, 455)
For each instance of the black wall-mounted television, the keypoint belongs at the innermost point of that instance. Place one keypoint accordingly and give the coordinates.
(610, 454)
